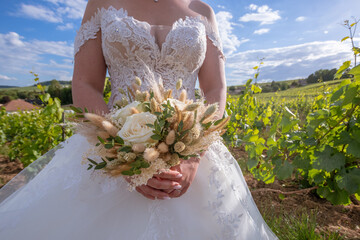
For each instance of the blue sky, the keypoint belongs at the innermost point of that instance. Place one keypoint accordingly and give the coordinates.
(295, 38)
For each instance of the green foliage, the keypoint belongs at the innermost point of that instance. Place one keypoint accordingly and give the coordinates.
(317, 141)
(31, 134)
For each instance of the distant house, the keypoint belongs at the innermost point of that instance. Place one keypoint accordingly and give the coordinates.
(18, 104)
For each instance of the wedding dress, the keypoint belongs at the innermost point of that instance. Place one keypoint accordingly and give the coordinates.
(56, 197)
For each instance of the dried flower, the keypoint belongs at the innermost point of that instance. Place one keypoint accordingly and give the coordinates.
(138, 81)
(174, 160)
(192, 107)
(183, 95)
(195, 132)
(210, 110)
(110, 128)
(151, 154)
(122, 91)
(179, 84)
(138, 147)
(153, 105)
(170, 138)
(95, 119)
(128, 157)
(179, 147)
(103, 134)
(163, 147)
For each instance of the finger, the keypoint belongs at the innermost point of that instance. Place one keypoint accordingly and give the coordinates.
(154, 192)
(170, 174)
(176, 193)
(144, 194)
(163, 184)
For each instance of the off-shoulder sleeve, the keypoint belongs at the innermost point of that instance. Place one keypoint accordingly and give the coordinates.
(88, 30)
(213, 34)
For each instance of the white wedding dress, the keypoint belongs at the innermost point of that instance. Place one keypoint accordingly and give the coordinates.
(58, 198)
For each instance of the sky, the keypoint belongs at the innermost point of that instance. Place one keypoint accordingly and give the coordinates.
(294, 38)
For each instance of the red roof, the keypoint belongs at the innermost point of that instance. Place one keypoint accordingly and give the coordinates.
(18, 104)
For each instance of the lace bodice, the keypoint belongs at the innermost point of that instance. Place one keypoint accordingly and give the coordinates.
(130, 50)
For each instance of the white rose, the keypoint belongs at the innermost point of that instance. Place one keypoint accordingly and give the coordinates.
(120, 115)
(135, 129)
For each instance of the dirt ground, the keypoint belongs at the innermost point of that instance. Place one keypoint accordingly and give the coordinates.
(330, 218)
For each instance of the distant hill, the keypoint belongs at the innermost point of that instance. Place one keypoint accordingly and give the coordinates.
(2, 86)
(47, 83)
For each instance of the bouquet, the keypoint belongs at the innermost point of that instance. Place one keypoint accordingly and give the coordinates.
(149, 134)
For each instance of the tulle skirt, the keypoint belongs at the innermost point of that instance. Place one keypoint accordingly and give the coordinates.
(58, 198)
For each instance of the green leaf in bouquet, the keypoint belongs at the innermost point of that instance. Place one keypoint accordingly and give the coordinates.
(75, 109)
(157, 113)
(150, 125)
(138, 171)
(108, 146)
(162, 123)
(218, 121)
(127, 173)
(156, 137)
(90, 167)
(145, 164)
(119, 140)
(92, 161)
(125, 149)
(136, 164)
(86, 110)
(98, 144)
(181, 125)
(206, 125)
(110, 159)
(101, 140)
(101, 165)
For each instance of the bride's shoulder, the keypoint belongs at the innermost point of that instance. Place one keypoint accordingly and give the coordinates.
(93, 6)
(203, 9)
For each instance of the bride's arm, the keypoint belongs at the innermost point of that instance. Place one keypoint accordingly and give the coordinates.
(90, 71)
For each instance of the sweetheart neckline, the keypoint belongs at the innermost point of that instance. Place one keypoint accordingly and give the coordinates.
(159, 48)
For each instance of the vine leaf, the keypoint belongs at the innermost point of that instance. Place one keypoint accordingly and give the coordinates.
(329, 159)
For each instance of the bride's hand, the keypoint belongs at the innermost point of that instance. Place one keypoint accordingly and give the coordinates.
(188, 169)
(155, 186)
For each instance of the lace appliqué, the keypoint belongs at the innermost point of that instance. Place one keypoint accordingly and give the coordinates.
(131, 50)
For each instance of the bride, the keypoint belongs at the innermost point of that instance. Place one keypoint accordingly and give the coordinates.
(158, 41)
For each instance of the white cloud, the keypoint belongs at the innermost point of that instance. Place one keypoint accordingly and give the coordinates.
(326, 32)
(263, 14)
(6, 78)
(289, 62)
(253, 7)
(20, 58)
(300, 19)
(56, 12)
(67, 26)
(39, 13)
(73, 9)
(229, 40)
(261, 31)
(13, 39)
(221, 6)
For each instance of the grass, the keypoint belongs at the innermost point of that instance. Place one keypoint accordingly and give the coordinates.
(4, 150)
(299, 225)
